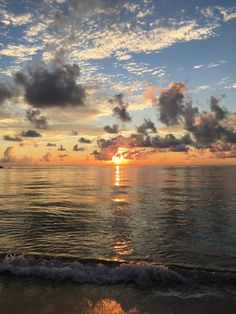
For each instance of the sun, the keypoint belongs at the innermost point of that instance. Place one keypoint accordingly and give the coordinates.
(117, 159)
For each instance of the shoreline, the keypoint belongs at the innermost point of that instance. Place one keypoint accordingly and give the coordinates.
(28, 295)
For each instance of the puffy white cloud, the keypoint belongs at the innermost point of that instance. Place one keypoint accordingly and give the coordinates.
(228, 13)
(21, 52)
(198, 66)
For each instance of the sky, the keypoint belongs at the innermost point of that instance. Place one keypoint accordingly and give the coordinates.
(149, 82)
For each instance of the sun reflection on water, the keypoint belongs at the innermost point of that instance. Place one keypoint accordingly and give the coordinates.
(120, 198)
(106, 306)
(117, 176)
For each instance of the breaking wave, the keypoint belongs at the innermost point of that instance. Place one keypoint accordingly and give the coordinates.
(106, 272)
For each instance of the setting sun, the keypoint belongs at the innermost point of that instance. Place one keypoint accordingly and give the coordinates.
(117, 159)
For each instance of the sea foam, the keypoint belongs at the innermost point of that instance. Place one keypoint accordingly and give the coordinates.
(141, 274)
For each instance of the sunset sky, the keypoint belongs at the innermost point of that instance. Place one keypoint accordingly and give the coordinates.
(151, 82)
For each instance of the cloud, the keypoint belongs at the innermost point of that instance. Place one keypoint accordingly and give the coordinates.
(170, 103)
(137, 154)
(47, 157)
(109, 147)
(61, 148)
(147, 125)
(228, 13)
(205, 130)
(9, 18)
(36, 117)
(20, 52)
(137, 39)
(62, 156)
(84, 8)
(216, 64)
(30, 133)
(198, 66)
(189, 114)
(9, 155)
(150, 93)
(201, 88)
(51, 144)
(58, 87)
(76, 148)
(220, 113)
(13, 138)
(5, 93)
(74, 132)
(111, 129)
(120, 108)
(83, 140)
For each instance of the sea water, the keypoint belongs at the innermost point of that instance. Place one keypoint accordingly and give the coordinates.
(133, 231)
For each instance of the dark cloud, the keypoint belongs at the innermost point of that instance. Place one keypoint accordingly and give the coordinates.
(30, 133)
(171, 142)
(229, 135)
(208, 130)
(220, 113)
(170, 103)
(139, 140)
(36, 117)
(83, 140)
(98, 155)
(5, 93)
(147, 125)
(76, 148)
(109, 147)
(120, 108)
(206, 127)
(220, 147)
(55, 87)
(136, 154)
(211, 130)
(51, 144)
(12, 138)
(62, 156)
(61, 148)
(111, 129)
(189, 114)
(179, 148)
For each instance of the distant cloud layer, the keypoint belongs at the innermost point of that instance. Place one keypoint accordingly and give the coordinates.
(203, 130)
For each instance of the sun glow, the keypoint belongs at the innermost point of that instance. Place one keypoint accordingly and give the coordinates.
(117, 159)
(120, 157)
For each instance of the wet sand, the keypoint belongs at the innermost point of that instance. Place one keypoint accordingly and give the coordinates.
(27, 295)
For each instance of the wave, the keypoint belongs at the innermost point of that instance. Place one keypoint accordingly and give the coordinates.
(142, 274)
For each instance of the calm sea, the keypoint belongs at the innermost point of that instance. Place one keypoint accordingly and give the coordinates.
(147, 226)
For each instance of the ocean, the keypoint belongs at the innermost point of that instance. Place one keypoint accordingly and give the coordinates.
(118, 239)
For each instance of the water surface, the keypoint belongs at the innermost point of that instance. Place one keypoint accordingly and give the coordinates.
(171, 215)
